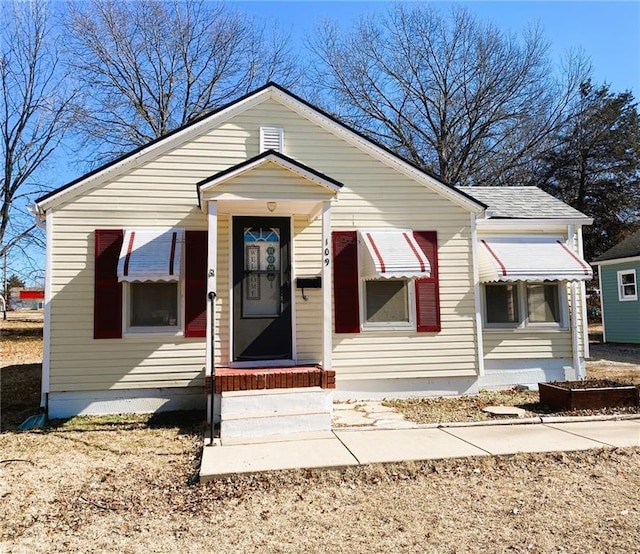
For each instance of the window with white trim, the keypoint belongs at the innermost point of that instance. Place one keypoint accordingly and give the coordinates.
(153, 305)
(387, 303)
(150, 268)
(521, 304)
(398, 289)
(627, 285)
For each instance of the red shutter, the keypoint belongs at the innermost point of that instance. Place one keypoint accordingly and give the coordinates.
(107, 300)
(345, 282)
(195, 297)
(427, 290)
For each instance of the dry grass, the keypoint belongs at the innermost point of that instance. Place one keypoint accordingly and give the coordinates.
(465, 408)
(127, 487)
(20, 341)
(126, 484)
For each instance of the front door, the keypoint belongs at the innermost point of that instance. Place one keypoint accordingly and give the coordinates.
(261, 289)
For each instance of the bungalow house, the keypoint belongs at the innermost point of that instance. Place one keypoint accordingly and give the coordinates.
(618, 273)
(273, 258)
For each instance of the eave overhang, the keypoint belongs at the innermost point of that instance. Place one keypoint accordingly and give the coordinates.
(614, 261)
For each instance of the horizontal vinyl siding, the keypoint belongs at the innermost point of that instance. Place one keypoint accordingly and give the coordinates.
(383, 354)
(163, 193)
(374, 195)
(621, 318)
(78, 362)
(307, 247)
(223, 293)
(521, 345)
(271, 182)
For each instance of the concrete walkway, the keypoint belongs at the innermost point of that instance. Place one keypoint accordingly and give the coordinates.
(351, 446)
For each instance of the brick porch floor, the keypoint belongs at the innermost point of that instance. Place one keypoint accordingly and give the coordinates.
(229, 379)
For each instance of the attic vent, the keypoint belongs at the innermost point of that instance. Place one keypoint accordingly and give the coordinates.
(271, 138)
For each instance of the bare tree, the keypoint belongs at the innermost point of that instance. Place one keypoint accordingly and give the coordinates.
(447, 92)
(35, 112)
(148, 66)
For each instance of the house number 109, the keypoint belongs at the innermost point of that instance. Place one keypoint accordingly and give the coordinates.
(327, 252)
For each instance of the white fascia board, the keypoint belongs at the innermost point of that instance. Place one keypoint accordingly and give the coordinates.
(158, 148)
(379, 153)
(278, 161)
(547, 225)
(618, 261)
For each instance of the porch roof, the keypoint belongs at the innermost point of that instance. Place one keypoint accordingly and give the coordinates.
(533, 258)
(211, 188)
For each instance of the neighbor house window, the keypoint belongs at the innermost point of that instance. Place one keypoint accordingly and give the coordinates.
(523, 304)
(153, 305)
(387, 301)
(627, 285)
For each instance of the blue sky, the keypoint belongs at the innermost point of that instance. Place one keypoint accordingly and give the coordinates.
(608, 32)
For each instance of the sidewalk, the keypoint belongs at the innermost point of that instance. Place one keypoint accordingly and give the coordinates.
(377, 443)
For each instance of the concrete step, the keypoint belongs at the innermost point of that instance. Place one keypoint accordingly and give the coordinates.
(263, 425)
(313, 399)
(271, 412)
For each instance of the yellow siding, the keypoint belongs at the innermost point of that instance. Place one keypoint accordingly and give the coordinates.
(223, 292)
(270, 182)
(307, 251)
(162, 192)
(522, 345)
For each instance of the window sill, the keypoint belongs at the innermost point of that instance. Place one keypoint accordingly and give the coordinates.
(369, 328)
(529, 329)
(151, 333)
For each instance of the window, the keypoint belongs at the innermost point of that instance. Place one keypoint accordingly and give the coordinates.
(398, 296)
(156, 302)
(153, 305)
(502, 304)
(543, 305)
(523, 305)
(627, 285)
(387, 302)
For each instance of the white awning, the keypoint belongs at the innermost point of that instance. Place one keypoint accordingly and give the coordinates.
(535, 258)
(387, 254)
(150, 255)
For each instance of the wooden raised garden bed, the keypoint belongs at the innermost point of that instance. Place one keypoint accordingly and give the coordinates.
(592, 394)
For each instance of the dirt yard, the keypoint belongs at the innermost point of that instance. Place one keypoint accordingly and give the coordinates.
(127, 484)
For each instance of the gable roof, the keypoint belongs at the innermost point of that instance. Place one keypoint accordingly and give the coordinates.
(268, 156)
(522, 203)
(283, 96)
(628, 248)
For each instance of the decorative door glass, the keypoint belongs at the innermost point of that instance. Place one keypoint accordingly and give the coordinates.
(261, 283)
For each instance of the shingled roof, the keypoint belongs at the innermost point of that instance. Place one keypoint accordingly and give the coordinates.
(522, 203)
(628, 248)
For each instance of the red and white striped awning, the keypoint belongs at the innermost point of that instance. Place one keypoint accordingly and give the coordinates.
(391, 254)
(150, 255)
(534, 258)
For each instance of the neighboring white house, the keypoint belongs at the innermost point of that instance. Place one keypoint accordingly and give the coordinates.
(334, 263)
